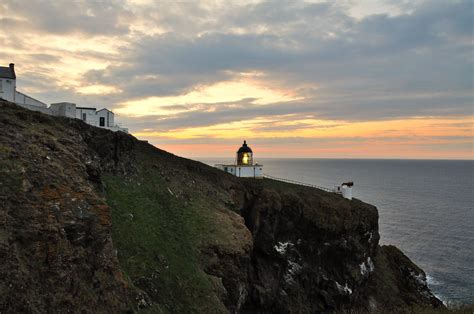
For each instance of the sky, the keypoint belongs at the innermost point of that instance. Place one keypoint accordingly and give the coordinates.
(309, 79)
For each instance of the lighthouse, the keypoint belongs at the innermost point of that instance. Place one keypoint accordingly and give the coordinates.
(244, 165)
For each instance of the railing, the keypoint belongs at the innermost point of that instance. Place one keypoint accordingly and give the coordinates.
(299, 183)
(115, 127)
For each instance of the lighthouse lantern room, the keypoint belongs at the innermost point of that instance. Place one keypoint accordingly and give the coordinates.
(244, 165)
(244, 155)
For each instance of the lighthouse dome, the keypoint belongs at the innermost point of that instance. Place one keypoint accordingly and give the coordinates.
(245, 148)
(244, 155)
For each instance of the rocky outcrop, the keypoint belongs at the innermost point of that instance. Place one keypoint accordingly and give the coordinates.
(83, 208)
(396, 275)
(313, 251)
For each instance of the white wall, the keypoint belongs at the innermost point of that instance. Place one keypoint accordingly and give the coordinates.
(247, 172)
(258, 171)
(227, 168)
(347, 192)
(63, 109)
(7, 89)
(108, 117)
(91, 117)
(35, 108)
(23, 99)
(344, 190)
(255, 171)
(116, 128)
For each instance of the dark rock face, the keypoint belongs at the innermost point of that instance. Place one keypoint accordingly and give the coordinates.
(307, 252)
(314, 251)
(55, 244)
(291, 248)
(397, 275)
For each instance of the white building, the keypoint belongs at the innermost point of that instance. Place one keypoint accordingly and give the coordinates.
(8, 89)
(344, 189)
(244, 166)
(103, 118)
(63, 109)
(8, 83)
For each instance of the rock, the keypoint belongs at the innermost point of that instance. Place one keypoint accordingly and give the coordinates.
(55, 237)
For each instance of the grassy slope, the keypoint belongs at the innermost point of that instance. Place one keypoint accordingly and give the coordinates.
(158, 234)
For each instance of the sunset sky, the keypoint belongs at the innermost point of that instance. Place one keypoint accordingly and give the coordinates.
(350, 79)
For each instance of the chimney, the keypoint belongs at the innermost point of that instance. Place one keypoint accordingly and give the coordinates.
(12, 69)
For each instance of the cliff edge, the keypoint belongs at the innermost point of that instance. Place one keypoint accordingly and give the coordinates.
(96, 221)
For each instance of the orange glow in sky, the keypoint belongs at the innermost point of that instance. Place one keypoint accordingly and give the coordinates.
(416, 137)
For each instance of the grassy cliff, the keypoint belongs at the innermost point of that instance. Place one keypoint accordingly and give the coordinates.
(97, 221)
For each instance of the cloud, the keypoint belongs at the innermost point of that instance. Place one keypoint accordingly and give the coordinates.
(411, 53)
(346, 110)
(341, 61)
(62, 17)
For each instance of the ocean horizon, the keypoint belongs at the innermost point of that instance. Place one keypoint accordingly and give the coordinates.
(426, 208)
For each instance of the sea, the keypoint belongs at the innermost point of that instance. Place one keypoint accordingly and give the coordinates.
(426, 208)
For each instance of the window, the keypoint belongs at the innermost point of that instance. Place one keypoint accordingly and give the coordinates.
(102, 121)
(245, 159)
(84, 117)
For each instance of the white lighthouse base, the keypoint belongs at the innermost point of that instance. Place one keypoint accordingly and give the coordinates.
(250, 171)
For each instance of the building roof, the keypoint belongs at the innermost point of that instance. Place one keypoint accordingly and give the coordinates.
(86, 108)
(105, 109)
(244, 148)
(8, 72)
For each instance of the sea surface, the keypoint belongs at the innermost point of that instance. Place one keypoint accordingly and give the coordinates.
(426, 209)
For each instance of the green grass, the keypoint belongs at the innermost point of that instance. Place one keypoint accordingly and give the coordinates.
(158, 237)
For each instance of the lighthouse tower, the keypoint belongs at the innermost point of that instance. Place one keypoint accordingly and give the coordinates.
(244, 155)
(244, 165)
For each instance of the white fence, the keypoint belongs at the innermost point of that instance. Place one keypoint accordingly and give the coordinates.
(299, 183)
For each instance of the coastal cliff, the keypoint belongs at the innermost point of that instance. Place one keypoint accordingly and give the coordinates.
(97, 221)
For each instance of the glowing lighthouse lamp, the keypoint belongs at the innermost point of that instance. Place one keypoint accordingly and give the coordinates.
(244, 166)
(245, 159)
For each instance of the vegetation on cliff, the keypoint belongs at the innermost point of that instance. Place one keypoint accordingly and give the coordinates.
(99, 221)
